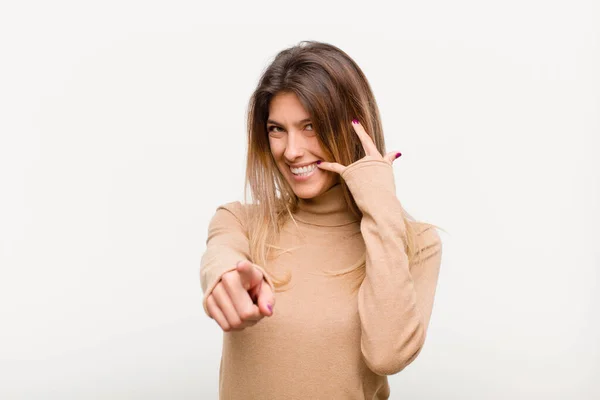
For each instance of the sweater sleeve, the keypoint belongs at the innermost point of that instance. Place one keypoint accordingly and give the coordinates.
(395, 301)
(226, 244)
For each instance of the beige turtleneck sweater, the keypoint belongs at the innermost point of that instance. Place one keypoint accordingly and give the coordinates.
(323, 342)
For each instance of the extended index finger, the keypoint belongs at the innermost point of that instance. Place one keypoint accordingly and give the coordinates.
(238, 295)
(249, 275)
(365, 139)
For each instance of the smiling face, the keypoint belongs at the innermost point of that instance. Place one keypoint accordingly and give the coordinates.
(294, 143)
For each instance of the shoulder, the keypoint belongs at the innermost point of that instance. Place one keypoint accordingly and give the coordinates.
(232, 209)
(235, 209)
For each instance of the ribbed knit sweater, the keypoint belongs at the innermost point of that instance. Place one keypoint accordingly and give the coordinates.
(323, 341)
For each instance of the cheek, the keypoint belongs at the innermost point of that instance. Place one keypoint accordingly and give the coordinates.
(273, 147)
(274, 144)
(317, 147)
(277, 149)
(277, 154)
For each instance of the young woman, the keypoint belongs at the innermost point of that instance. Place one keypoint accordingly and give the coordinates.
(345, 277)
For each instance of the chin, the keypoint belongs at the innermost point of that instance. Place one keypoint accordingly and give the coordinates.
(307, 193)
(306, 190)
(315, 185)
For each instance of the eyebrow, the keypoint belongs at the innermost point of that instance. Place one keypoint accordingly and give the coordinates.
(297, 123)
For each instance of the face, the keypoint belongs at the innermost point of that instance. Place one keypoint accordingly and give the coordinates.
(294, 143)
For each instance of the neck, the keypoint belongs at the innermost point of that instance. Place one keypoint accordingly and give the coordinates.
(327, 209)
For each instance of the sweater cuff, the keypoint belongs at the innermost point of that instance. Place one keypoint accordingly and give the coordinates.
(370, 180)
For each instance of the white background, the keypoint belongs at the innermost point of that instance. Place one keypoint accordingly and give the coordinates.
(122, 129)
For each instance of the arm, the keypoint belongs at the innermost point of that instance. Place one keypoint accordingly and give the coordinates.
(394, 301)
(226, 244)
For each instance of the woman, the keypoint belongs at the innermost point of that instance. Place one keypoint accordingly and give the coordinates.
(326, 251)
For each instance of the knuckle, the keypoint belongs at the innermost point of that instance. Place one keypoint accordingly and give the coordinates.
(237, 324)
(210, 306)
(218, 289)
(230, 277)
(246, 314)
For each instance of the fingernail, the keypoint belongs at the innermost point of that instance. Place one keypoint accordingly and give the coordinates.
(318, 161)
(398, 155)
(270, 307)
(355, 121)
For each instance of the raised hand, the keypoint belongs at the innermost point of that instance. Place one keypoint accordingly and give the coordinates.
(241, 298)
(371, 151)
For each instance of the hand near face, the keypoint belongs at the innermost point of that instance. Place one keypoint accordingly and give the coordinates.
(370, 151)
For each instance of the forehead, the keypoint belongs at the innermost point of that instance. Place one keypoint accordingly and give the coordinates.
(287, 106)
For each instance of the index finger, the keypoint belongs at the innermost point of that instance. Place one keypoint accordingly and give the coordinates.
(365, 139)
(249, 276)
(239, 298)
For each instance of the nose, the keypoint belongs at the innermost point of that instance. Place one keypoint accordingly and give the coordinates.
(294, 147)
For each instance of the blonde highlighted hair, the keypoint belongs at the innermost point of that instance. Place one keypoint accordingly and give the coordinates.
(333, 90)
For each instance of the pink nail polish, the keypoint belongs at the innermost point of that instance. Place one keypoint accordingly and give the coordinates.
(355, 121)
(398, 155)
(318, 161)
(270, 307)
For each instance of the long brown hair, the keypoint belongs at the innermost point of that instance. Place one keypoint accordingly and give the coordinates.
(333, 90)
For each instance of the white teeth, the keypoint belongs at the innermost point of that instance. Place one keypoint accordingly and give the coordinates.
(303, 170)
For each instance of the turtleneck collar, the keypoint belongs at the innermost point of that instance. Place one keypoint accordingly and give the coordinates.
(327, 209)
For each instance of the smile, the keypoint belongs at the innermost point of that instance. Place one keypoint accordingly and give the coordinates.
(304, 170)
(301, 174)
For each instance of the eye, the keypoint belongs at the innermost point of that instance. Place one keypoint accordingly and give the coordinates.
(272, 127)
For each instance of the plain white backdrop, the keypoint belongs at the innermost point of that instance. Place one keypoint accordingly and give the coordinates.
(123, 128)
